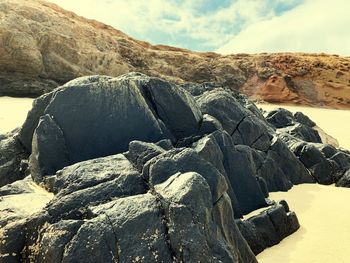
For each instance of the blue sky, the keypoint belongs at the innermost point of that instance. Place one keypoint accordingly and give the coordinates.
(227, 26)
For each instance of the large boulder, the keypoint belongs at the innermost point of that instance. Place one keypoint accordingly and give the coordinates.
(98, 116)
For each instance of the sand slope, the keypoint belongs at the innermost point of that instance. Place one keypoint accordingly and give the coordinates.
(13, 112)
(324, 236)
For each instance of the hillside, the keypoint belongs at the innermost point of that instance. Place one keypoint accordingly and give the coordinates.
(43, 46)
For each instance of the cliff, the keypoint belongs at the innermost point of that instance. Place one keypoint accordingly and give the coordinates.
(43, 46)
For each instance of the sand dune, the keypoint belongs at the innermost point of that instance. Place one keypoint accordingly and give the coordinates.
(334, 122)
(324, 236)
(13, 112)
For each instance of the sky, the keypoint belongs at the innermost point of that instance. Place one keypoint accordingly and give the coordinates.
(228, 26)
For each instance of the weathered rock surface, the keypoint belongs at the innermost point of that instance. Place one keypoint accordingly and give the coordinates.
(43, 46)
(269, 227)
(344, 181)
(326, 163)
(136, 169)
(12, 153)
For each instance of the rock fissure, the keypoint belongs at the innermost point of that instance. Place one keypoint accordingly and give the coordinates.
(237, 125)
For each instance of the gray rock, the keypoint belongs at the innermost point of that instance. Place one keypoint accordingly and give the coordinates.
(327, 149)
(209, 125)
(303, 119)
(280, 118)
(160, 168)
(189, 212)
(49, 150)
(32, 120)
(12, 153)
(303, 132)
(241, 175)
(183, 118)
(55, 238)
(96, 107)
(141, 152)
(224, 107)
(144, 172)
(253, 132)
(291, 166)
(91, 182)
(344, 180)
(313, 159)
(269, 227)
(342, 159)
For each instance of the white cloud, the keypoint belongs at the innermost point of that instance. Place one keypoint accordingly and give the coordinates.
(314, 26)
(175, 21)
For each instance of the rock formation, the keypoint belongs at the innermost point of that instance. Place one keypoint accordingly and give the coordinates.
(144, 170)
(43, 46)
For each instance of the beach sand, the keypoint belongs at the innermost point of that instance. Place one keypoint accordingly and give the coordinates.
(13, 112)
(324, 236)
(334, 122)
(28, 203)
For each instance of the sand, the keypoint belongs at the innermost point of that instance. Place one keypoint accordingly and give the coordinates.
(26, 204)
(13, 112)
(324, 236)
(334, 122)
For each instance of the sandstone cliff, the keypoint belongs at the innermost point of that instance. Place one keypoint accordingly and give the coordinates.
(43, 46)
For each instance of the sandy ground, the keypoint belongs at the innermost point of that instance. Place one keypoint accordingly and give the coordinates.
(334, 122)
(26, 203)
(324, 236)
(13, 112)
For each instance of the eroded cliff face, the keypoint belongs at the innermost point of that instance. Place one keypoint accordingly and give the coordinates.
(43, 46)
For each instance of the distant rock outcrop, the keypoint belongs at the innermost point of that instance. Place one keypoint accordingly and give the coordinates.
(144, 170)
(43, 46)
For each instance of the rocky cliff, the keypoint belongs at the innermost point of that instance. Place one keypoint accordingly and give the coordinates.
(43, 46)
(138, 169)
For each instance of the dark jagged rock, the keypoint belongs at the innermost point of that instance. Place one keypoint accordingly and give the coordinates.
(317, 163)
(184, 117)
(269, 227)
(12, 153)
(280, 118)
(142, 171)
(297, 125)
(328, 150)
(209, 125)
(303, 119)
(304, 132)
(239, 122)
(344, 181)
(140, 152)
(33, 117)
(49, 150)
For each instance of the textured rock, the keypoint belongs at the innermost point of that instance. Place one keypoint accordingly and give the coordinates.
(344, 180)
(49, 150)
(44, 46)
(280, 118)
(12, 153)
(93, 104)
(269, 227)
(142, 171)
